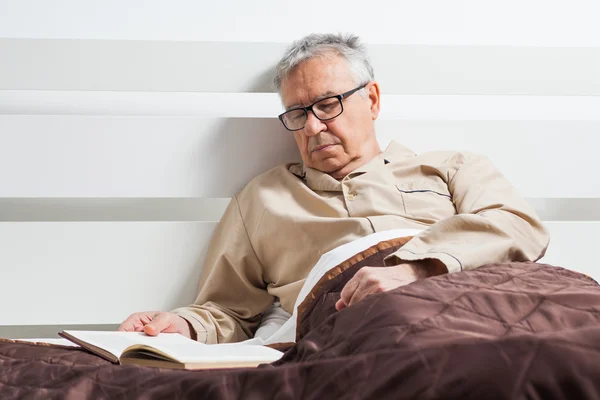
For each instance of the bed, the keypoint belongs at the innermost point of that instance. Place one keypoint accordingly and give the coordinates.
(502, 331)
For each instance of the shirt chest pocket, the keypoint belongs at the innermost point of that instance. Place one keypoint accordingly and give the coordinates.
(427, 200)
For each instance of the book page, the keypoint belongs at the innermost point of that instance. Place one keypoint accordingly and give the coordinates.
(116, 342)
(195, 352)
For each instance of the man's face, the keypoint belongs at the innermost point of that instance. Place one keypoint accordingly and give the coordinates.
(340, 145)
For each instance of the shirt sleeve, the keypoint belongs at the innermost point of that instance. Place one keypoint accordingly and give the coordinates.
(232, 292)
(493, 223)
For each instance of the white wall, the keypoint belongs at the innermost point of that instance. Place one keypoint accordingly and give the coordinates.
(124, 127)
(459, 22)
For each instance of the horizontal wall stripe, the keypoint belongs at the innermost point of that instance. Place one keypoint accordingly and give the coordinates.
(479, 70)
(490, 108)
(109, 65)
(513, 22)
(112, 209)
(137, 65)
(567, 209)
(48, 331)
(208, 105)
(100, 272)
(139, 157)
(211, 209)
(268, 105)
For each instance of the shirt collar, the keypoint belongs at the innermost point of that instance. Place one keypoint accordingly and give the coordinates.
(396, 152)
(317, 180)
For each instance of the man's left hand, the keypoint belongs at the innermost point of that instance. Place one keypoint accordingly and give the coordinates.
(372, 280)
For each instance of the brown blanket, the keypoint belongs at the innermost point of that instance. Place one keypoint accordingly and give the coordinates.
(509, 331)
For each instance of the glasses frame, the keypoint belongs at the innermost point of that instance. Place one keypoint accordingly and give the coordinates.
(340, 97)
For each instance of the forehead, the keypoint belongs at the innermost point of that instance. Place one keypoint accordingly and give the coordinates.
(325, 75)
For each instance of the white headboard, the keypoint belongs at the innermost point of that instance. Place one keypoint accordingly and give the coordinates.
(125, 129)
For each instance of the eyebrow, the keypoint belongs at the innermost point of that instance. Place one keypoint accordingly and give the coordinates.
(328, 93)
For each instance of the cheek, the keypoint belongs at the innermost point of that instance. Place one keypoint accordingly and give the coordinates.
(343, 132)
(302, 143)
(353, 131)
(339, 129)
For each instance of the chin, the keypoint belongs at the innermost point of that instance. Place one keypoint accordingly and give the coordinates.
(329, 166)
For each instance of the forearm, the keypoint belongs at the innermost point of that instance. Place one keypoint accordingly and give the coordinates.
(210, 324)
(467, 241)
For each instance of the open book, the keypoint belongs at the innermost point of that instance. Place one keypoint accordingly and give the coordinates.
(169, 350)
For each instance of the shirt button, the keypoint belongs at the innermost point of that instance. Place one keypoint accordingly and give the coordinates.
(351, 196)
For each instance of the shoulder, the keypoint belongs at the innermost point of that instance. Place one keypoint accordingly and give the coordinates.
(279, 177)
(446, 164)
(266, 188)
(449, 158)
(437, 159)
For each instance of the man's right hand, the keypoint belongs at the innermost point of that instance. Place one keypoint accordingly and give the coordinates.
(154, 322)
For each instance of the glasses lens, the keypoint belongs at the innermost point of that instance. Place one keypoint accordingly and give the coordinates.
(294, 119)
(328, 108)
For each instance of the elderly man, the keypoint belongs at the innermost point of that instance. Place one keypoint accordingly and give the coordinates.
(277, 227)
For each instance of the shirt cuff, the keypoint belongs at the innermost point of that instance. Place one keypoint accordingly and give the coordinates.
(403, 255)
(195, 322)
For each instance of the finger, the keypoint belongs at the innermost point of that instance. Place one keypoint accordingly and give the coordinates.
(163, 322)
(360, 292)
(360, 279)
(144, 320)
(136, 321)
(340, 305)
(129, 324)
(349, 289)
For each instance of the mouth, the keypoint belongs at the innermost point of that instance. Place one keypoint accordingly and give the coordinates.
(322, 147)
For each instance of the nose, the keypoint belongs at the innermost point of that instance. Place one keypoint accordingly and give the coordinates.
(314, 125)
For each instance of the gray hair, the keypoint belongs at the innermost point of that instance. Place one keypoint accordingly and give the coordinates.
(347, 46)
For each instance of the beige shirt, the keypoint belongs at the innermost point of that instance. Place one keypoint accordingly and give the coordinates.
(274, 231)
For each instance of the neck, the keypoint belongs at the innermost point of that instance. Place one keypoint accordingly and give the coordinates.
(357, 162)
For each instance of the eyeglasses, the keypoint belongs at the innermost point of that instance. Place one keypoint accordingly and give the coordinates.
(324, 109)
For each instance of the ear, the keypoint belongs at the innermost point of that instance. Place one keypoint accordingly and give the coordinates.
(374, 99)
